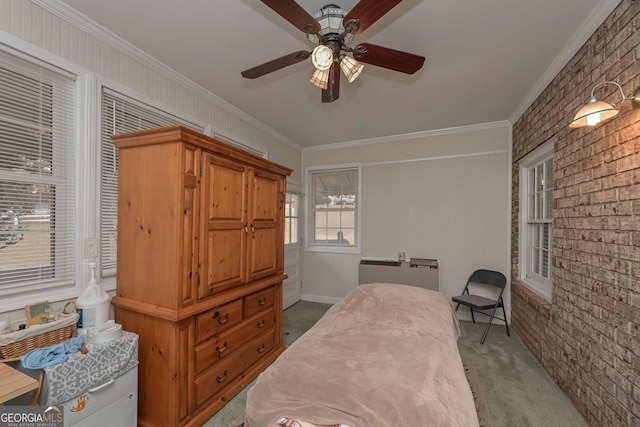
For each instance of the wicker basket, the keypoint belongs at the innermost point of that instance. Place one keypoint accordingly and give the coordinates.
(19, 343)
(20, 348)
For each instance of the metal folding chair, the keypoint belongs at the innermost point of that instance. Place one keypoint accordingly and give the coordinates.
(478, 302)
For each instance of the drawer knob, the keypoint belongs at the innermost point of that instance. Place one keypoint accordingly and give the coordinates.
(222, 378)
(221, 320)
(261, 348)
(262, 301)
(260, 324)
(221, 349)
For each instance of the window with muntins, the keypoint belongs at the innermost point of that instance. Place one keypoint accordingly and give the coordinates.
(121, 114)
(333, 208)
(537, 219)
(291, 217)
(37, 177)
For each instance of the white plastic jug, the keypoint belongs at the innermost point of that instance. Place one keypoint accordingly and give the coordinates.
(92, 304)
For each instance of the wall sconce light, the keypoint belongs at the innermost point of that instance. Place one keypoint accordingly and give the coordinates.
(596, 111)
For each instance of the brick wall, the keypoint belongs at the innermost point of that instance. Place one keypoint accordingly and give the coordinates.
(588, 337)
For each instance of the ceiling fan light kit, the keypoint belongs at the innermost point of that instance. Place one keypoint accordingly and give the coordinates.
(322, 57)
(332, 30)
(320, 78)
(351, 68)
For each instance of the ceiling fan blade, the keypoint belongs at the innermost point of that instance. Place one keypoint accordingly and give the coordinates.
(368, 12)
(388, 58)
(332, 92)
(295, 14)
(276, 64)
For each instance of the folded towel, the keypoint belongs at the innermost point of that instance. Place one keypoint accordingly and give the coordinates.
(52, 355)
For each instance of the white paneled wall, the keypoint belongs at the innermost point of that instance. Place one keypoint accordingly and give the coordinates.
(442, 196)
(74, 39)
(451, 209)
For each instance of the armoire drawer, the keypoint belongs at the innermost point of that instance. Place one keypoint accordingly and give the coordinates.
(226, 343)
(258, 347)
(218, 319)
(217, 377)
(258, 301)
(226, 369)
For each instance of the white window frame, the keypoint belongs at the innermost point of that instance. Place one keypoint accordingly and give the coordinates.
(538, 283)
(310, 246)
(295, 189)
(31, 294)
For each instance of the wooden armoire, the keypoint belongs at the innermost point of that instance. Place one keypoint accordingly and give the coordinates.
(200, 269)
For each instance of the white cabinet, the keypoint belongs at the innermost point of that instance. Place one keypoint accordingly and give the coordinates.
(114, 403)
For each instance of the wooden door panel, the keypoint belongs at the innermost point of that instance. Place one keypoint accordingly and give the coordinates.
(226, 192)
(225, 261)
(224, 217)
(262, 252)
(264, 197)
(264, 211)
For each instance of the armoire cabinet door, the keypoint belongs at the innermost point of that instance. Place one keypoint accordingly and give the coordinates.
(263, 238)
(222, 249)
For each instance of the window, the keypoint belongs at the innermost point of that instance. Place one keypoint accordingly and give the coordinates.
(37, 200)
(291, 217)
(121, 114)
(536, 219)
(333, 209)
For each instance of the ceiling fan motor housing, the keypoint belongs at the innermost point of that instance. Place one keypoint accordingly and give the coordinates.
(330, 19)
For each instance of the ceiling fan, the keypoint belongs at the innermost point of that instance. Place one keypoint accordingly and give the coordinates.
(333, 52)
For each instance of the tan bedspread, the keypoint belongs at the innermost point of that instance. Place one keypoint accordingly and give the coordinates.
(385, 355)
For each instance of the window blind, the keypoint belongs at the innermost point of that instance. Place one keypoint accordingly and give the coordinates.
(37, 177)
(121, 114)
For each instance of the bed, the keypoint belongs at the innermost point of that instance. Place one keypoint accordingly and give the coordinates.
(385, 355)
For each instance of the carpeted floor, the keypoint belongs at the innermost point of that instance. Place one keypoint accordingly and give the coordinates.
(517, 389)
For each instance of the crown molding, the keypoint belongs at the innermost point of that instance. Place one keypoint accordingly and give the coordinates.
(407, 136)
(82, 22)
(580, 37)
(30, 52)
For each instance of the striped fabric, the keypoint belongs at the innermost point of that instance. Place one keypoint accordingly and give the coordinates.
(288, 422)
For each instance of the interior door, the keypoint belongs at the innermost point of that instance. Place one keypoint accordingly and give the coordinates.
(292, 286)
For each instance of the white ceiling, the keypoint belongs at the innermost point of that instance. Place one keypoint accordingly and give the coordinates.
(485, 59)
